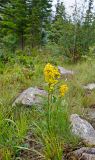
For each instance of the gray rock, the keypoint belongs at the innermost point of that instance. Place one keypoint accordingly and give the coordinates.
(83, 129)
(84, 153)
(64, 71)
(86, 156)
(31, 96)
(90, 86)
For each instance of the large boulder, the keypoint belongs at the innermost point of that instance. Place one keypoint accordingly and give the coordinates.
(64, 71)
(31, 96)
(90, 86)
(83, 129)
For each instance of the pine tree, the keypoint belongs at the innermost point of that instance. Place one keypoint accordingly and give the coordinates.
(26, 18)
(58, 24)
(38, 20)
(87, 26)
(14, 19)
(89, 14)
(60, 10)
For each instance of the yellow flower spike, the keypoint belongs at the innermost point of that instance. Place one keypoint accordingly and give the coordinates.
(51, 74)
(63, 89)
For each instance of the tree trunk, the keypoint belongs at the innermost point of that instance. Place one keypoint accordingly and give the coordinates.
(22, 41)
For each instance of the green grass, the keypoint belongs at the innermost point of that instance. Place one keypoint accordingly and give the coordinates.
(15, 122)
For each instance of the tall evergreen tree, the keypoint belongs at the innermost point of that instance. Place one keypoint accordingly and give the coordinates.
(38, 20)
(89, 14)
(87, 26)
(26, 18)
(14, 19)
(60, 10)
(58, 23)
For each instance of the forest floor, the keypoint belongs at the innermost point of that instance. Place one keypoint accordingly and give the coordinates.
(15, 122)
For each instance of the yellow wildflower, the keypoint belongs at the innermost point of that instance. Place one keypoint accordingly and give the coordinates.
(51, 74)
(63, 89)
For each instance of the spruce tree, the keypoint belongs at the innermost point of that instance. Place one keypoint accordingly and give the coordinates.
(38, 20)
(58, 23)
(14, 19)
(26, 18)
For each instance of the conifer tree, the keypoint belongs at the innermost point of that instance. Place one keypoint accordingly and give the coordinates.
(26, 18)
(38, 20)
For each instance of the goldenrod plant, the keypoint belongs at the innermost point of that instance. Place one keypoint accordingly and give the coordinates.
(52, 129)
(52, 75)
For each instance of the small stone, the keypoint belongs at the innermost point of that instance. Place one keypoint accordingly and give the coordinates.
(64, 71)
(86, 156)
(84, 153)
(90, 86)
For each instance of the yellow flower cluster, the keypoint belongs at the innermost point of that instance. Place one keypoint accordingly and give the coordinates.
(51, 74)
(63, 90)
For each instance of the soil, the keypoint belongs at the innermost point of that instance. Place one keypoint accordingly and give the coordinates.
(35, 149)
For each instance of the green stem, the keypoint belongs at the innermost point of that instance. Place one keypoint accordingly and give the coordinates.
(49, 110)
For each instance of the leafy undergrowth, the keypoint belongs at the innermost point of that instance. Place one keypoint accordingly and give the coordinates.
(17, 122)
